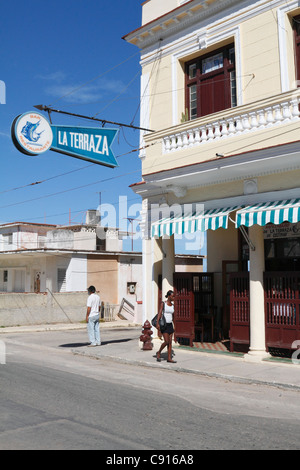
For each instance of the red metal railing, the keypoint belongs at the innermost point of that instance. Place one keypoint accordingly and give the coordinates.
(184, 307)
(282, 308)
(239, 309)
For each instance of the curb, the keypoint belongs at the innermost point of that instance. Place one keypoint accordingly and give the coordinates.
(63, 327)
(178, 369)
(143, 363)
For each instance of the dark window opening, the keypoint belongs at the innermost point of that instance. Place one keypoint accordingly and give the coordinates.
(296, 26)
(211, 83)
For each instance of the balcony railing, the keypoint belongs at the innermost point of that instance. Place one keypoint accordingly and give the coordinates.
(232, 122)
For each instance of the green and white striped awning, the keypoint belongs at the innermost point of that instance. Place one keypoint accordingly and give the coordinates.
(269, 212)
(190, 223)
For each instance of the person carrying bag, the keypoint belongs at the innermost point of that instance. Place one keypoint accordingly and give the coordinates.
(166, 310)
(159, 320)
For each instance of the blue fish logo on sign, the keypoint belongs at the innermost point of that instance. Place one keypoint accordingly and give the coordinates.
(30, 133)
(87, 143)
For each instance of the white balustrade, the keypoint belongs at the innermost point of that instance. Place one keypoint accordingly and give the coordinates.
(295, 108)
(203, 134)
(231, 127)
(238, 125)
(224, 131)
(261, 119)
(217, 130)
(185, 140)
(245, 122)
(252, 121)
(197, 138)
(286, 112)
(277, 114)
(191, 138)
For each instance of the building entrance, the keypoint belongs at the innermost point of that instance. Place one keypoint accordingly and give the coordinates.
(195, 312)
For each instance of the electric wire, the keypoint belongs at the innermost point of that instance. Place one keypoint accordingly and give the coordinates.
(156, 63)
(150, 95)
(46, 179)
(79, 211)
(77, 169)
(95, 78)
(71, 189)
(120, 94)
(179, 158)
(63, 174)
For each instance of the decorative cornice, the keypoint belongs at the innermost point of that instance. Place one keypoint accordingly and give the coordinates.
(194, 13)
(181, 18)
(249, 165)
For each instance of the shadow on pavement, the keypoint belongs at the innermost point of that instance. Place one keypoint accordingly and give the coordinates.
(103, 343)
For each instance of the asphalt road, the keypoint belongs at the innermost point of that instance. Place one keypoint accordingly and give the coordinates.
(52, 399)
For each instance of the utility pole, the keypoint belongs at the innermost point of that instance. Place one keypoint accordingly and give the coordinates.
(99, 192)
(131, 219)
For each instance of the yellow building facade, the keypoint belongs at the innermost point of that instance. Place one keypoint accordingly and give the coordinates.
(220, 93)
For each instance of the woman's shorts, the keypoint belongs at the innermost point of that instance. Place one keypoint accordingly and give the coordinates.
(169, 328)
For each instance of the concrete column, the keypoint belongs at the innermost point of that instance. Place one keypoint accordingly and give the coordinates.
(51, 279)
(257, 349)
(10, 280)
(168, 264)
(147, 280)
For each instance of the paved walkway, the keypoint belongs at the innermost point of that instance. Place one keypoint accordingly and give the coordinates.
(194, 361)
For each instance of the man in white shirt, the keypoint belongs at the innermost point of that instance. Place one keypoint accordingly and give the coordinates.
(93, 317)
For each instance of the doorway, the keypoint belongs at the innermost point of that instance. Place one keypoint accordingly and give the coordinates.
(37, 282)
(228, 267)
(194, 306)
(19, 280)
(3, 280)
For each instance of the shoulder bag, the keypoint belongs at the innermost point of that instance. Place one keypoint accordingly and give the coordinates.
(162, 320)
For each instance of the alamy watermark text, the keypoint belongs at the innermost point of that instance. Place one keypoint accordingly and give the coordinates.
(2, 92)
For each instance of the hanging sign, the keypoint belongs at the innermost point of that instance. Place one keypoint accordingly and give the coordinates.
(88, 143)
(33, 135)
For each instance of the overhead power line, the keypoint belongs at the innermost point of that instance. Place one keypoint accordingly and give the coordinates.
(179, 158)
(46, 179)
(68, 190)
(77, 169)
(95, 78)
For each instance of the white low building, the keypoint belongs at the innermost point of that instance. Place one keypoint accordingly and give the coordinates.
(57, 261)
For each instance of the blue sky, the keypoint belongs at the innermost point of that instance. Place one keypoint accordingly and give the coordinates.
(48, 50)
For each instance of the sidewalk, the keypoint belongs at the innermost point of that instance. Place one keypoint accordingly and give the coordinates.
(224, 365)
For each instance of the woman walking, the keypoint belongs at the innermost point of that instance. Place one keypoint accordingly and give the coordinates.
(167, 309)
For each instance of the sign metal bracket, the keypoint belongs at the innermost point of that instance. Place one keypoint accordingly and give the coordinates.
(42, 107)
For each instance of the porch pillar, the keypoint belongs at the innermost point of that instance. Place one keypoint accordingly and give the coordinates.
(168, 264)
(147, 280)
(257, 349)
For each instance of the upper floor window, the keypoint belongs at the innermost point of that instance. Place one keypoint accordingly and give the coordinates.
(211, 83)
(296, 24)
(7, 238)
(61, 279)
